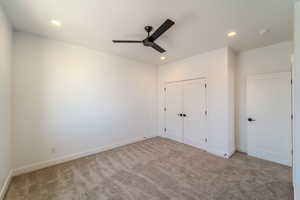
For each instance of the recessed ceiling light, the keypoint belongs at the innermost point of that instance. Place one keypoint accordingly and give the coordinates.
(55, 22)
(162, 57)
(231, 34)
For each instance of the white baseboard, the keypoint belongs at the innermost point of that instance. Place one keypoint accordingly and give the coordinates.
(5, 185)
(48, 163)
(231, 153)
(217, 152)
(220, 153)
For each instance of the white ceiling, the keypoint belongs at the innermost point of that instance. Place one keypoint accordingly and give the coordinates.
(201, 25)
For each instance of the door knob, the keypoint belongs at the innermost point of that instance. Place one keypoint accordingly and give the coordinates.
(184, 115)
(180, 114)
(251, 120)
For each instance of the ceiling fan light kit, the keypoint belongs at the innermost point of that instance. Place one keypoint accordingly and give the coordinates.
(149, 41)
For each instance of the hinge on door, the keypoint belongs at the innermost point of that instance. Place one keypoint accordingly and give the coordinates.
(205, 85)
(292, 116)
(205, 112)
(205, 139)
(165, 109)
(292, 81)
(165, 129)
(165, 89)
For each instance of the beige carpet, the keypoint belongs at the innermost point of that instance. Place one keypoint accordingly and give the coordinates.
(156, 169)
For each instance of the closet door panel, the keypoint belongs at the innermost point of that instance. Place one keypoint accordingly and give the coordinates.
(174, 107)
(194, 106)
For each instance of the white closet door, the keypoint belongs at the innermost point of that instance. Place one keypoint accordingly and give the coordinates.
(174, 105)
(194, 106)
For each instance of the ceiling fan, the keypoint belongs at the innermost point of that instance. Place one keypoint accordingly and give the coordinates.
(149, 41)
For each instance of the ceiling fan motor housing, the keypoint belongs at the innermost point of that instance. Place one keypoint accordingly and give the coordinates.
(147, 42)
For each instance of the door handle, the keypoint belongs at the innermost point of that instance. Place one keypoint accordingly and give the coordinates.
(180, 114)
(251, 120)
(184, 115)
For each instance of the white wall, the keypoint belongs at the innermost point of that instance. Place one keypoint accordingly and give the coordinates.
(231, 66)
(297, 103)
(275, 58)
(5, 69)
(213, 66)
(75, 99)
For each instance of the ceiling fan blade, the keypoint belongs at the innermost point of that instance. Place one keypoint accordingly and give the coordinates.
(127, 41)
(163, 28)
(158, 48)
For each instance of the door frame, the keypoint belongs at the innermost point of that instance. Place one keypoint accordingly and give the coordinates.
(182, 81)
(293, 114)
(261, 76)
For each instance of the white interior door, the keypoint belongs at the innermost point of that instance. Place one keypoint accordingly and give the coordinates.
(269, 117)
(174, 107)
(194, 107)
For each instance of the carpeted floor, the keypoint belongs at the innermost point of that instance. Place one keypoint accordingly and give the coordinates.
(156, 169)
